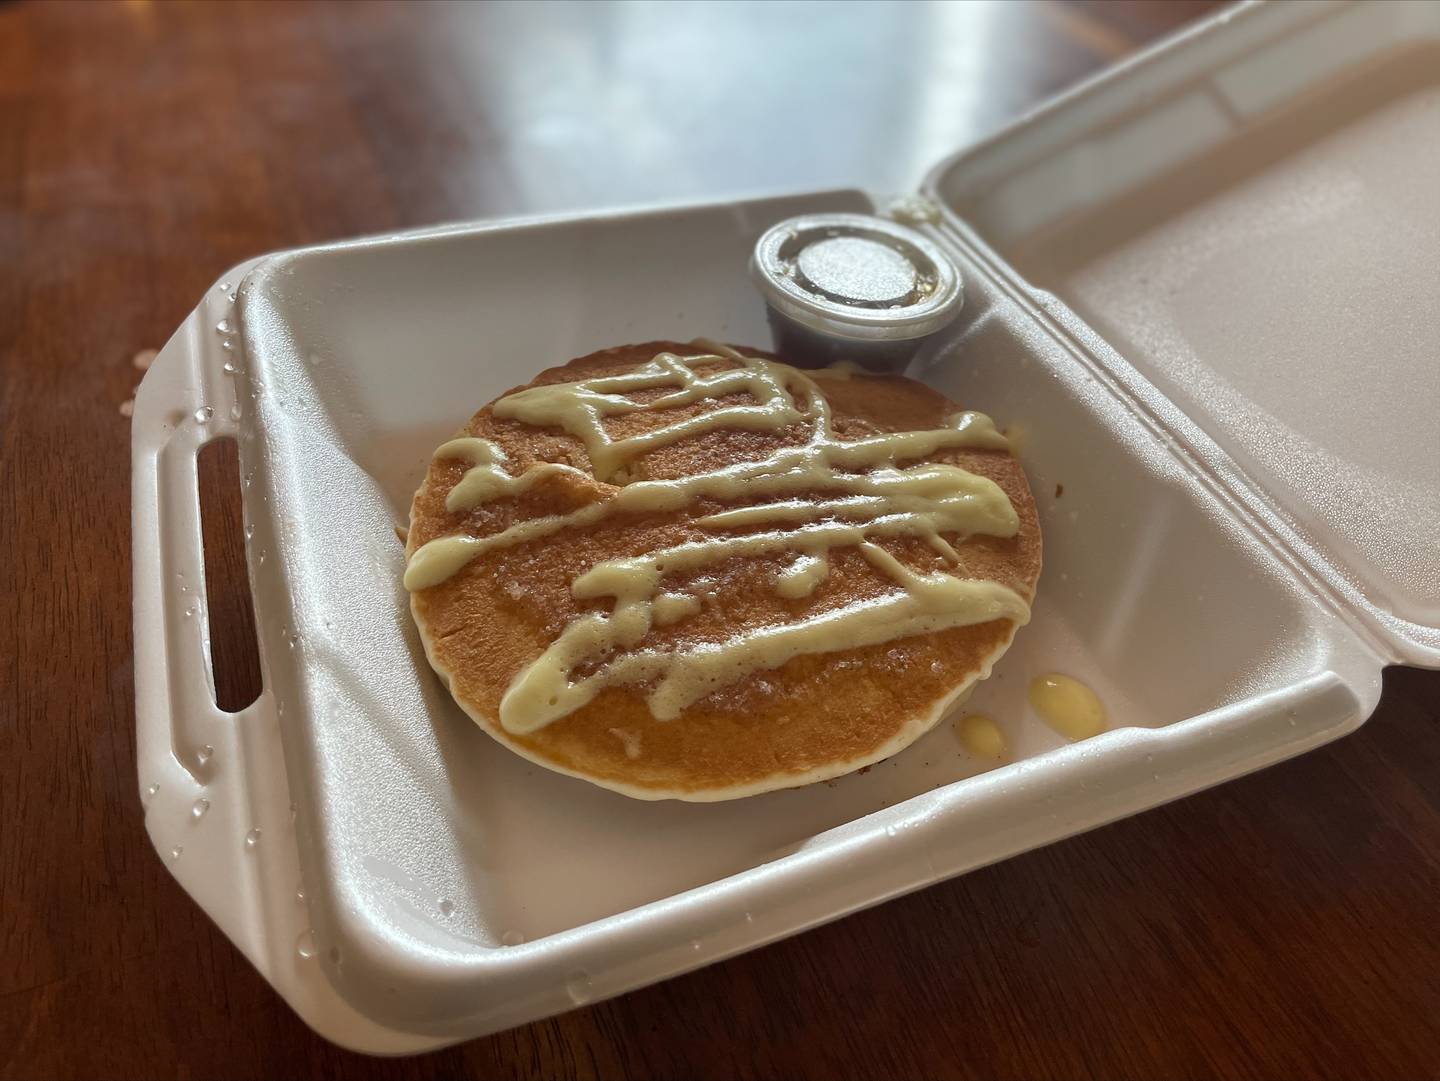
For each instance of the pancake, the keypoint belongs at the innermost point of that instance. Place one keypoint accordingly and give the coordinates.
(691, 572)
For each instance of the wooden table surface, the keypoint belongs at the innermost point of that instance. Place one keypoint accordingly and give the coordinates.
(1284, 925)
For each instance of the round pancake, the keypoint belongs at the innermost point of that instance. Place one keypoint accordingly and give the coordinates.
(813, 716)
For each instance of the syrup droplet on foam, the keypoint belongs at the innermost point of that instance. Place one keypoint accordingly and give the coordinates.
(1067, 706)
(981, 736)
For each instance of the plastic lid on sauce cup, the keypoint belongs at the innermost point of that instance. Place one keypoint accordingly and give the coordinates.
(856, 278)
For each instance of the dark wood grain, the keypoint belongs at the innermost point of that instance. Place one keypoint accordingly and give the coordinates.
(1281, 926)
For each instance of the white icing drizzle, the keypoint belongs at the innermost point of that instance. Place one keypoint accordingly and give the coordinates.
(874, 497)
(629, 740)
(670, 608)
(801, 577)
(487, 479)
(581, 408)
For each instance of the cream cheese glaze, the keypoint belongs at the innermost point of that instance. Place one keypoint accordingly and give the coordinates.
(869, 496)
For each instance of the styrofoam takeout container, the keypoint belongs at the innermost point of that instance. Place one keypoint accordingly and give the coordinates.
(1201, 289)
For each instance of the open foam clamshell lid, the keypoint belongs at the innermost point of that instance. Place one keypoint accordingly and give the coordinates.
(1243, 231)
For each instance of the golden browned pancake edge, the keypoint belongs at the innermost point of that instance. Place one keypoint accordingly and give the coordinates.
(816, 717)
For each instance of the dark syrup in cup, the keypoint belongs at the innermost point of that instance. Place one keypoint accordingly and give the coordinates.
(849, 287)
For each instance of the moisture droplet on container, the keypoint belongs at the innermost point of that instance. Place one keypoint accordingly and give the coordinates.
(577, 986)
(127, 407)
(228, 368)
(1067, 705)
(252, 838)
(223, 327)
(695, 944)
(300, 895)
(152, 792)
(203, 414)
(199, 807)
(175, 852)
(227, 344)
(305, 945)
(512, 938)
(204, 754)
(447, 907)
(235, 411)
(143, 359)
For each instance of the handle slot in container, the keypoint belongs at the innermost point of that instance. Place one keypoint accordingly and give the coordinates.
(231, 650)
